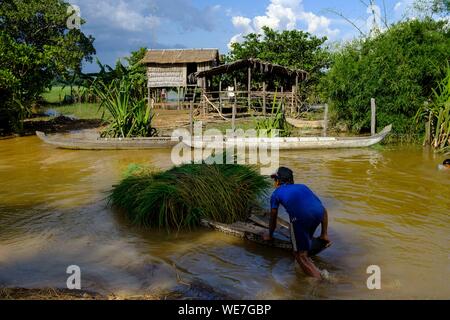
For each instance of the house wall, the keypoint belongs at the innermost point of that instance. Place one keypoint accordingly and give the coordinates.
(173, 75)
(163, 76)
(203, 67)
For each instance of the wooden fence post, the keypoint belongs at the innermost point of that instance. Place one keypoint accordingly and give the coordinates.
(264, 98)
(325, 121)
(220, 96)
(249, 88)
(427, 140)
(292, 100)
(373, 123)
(233, 119)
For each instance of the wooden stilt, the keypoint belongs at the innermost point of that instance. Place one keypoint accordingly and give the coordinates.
(296, 94)
(249, 87)
(264, 98)
(220, 96)
(191, 115)
(292, 100)
(233, 118)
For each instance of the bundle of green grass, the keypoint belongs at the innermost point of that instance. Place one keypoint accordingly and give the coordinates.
(180, 197)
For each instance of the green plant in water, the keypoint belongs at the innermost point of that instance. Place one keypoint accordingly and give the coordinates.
(438, 113)
(130, 117)
(276, 123)
(180, 197)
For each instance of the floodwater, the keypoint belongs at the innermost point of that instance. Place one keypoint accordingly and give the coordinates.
(388, 207)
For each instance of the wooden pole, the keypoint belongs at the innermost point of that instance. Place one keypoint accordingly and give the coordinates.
(220, 96)
(149, 94)
(249, 87)
(296, 94)
(292, 100)
(233, 118)
(427, 140)
(373, 109)
(264, 98)
(325, 121)
(191, 115)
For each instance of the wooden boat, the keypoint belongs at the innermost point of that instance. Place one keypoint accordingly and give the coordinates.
(253, 231)
(256, 226)
(294, 143)
(303, 124)
(80, 143)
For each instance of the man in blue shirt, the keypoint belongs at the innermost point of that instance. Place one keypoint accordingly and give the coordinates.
(306, 213)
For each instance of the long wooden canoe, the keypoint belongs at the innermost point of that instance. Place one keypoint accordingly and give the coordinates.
(252, 232)
(256, 226)
(80, 143)
(303, 124)
(294, 143)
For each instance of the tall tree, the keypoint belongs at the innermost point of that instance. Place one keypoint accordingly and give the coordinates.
(36, 45)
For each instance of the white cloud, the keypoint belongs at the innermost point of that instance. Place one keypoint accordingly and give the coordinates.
(398, 6)
(120, 26)
(122, 15)
(243, 24)
(283, 15)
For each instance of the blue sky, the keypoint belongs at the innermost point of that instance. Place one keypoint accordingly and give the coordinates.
(121, 26)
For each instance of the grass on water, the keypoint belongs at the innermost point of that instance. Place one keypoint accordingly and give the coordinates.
(180, 197)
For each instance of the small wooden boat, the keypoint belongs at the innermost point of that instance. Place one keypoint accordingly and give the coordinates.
(303, 124)
(298, 143)
(256, 226)
(253, 232)
(80, 143)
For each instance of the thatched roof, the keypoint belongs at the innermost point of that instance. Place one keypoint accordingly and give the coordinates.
(170, 56)
(256, 64)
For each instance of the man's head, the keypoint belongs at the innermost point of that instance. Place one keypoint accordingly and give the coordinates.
(283, 176)
(446, 163)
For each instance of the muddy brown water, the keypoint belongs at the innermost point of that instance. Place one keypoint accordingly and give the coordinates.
(388, 207)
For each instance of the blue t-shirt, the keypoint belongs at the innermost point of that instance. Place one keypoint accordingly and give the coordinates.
(300, 202)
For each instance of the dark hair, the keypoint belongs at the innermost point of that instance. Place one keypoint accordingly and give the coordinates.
(284, 175)
(446, 162)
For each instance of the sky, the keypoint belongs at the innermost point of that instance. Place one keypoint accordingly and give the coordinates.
(120, 26)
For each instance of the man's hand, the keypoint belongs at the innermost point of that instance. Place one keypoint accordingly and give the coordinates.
(267, 237)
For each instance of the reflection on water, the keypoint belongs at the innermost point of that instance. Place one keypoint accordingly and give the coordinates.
(388, 207)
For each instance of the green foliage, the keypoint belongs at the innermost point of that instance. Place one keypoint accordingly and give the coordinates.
(432, 7)
(180, 197)
(290, 48)
(398, 67)
(276, 123)
(439, 111)
(130, 116)
(35, 47)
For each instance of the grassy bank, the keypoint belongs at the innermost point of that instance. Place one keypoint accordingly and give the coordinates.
(82, 111)
(54, 106)
(57, 93)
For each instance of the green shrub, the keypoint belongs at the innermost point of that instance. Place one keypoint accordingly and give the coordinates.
(276, 122)
(130, 116)
(439, 115)
(398, 68)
